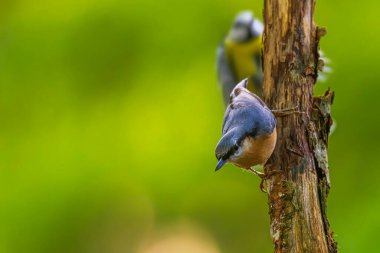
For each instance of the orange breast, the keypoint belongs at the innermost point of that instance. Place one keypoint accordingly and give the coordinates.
(256, 150)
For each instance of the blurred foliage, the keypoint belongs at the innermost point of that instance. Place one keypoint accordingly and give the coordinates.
(110, 113)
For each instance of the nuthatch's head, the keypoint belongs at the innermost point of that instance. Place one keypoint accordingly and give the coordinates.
(230, 148)
(249, 130)
(245, 27)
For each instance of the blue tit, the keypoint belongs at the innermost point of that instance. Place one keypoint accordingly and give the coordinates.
(239, 55)
(249, 131)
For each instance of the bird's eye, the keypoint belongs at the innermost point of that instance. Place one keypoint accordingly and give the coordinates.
(236, 147)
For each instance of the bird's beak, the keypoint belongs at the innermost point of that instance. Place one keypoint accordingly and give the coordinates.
(220, 164)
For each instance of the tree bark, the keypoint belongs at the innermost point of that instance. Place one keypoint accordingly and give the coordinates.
(298, 173)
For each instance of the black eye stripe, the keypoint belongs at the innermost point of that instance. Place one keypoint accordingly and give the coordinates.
(240, 25)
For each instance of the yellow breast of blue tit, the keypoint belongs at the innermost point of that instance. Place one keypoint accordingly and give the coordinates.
(241, 58)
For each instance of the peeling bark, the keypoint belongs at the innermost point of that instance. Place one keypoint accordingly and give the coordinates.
(298, 170)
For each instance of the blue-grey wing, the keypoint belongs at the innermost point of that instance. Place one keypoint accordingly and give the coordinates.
(250, 118)
(226, 75)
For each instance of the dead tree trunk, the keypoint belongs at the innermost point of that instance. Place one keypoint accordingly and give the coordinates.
(298, 182)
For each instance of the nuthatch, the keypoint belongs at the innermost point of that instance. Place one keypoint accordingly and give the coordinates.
(239, 55)
(249, 131)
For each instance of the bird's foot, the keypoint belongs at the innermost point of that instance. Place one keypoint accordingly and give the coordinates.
(285, 112)
(258, 173)
(264, 177)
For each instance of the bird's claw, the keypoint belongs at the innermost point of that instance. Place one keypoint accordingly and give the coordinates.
(260, 175)
(264, 177)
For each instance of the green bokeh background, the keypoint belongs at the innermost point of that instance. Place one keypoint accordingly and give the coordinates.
(110, 113)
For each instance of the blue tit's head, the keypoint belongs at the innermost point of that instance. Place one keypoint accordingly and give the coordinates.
(245, 27)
